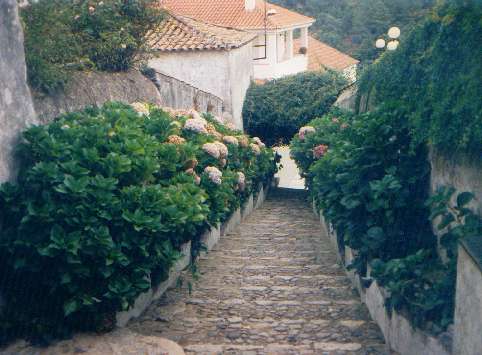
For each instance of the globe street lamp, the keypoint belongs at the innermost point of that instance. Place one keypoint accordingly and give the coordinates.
(392, 44)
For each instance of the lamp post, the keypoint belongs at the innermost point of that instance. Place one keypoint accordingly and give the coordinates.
(392, 43)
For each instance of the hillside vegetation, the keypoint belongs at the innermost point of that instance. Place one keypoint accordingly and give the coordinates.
(353, 26)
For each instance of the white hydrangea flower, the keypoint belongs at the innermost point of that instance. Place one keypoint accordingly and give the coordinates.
(212, 149)
(214, 174)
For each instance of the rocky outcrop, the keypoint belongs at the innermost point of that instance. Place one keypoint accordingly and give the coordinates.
(94, 89)
(16, 108)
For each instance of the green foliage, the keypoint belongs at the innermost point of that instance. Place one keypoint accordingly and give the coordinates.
(353, 26)
(371, 185)
(435, 77)
(113, 33)
(62, 35)
(276, 110)
(101, 207)
(421, 285)
(50, 45)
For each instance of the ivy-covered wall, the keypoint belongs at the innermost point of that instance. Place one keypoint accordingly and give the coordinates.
(435, 77)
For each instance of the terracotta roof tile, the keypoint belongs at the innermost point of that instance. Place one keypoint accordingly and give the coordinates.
(184, 34)
(321, 55)
(232, 13)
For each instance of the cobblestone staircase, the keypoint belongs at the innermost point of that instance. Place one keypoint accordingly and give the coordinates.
(271, 287)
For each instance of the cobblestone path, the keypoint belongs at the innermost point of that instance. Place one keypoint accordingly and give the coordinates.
(271, 287)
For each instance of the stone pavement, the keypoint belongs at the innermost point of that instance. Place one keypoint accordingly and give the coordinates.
(271, 287)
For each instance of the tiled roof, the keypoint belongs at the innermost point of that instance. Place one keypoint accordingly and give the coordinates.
(321, 55)
(184, 34)
(232, 13)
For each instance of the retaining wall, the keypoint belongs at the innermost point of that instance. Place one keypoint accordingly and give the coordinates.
(468, 300)
(180, 95)
(94, 89)
(399, 334)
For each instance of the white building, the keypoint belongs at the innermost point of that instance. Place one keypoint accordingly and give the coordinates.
(220, 46)
(274, 27)
(211, 58)
(322, 57)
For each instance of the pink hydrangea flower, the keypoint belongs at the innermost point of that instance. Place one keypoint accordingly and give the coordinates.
(259, 142)
(231, 140)
(195, 115)
(230, 126)
(255, 148)
(241, 181)
(319, 151)
(175, 139)
(335, 120)
(141, 108)
(197, 179)
(243, 141)
(214, 174)
(212, 149)
(223, 150)
(195, 125)
(305, 130)
(344, 125)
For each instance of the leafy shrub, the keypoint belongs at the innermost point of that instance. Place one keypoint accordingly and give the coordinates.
(421, 285)
(62, 35)
(370, 184)
(276, 110)
(113, 33)
(369, 172)
(435, 77)
(50, 44)
(105, 198)
(371, 180)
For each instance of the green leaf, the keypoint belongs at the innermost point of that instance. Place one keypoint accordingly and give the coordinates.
(446, 220)
(464, 198)
(70, 307)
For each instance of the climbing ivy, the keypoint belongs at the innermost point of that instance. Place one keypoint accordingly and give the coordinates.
(435, 77)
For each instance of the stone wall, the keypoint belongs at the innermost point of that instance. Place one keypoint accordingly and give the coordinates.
(180, 95)
(94, 89)
(461, 172)
(468, 303)
(347, 99)
(16, 109)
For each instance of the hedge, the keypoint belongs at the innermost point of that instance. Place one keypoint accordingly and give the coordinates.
(276, 109)
(104, 199)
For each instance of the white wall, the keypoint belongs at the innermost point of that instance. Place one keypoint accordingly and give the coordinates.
(241, 74)
(297, 64)
(226, 74)
(205, 70)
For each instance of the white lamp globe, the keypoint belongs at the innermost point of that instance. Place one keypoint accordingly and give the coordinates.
(392, 45)
(394, 32)
(380, 43)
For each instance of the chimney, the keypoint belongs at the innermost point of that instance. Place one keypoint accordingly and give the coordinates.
(249, 5)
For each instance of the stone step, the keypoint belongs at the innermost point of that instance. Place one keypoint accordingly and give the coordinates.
(272, 286)
(310, 348)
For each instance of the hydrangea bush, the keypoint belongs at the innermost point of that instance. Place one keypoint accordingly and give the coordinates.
(371, 181)
(104, 200)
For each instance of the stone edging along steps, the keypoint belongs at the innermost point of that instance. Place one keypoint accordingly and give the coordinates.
(210, 238)
(397, 330)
